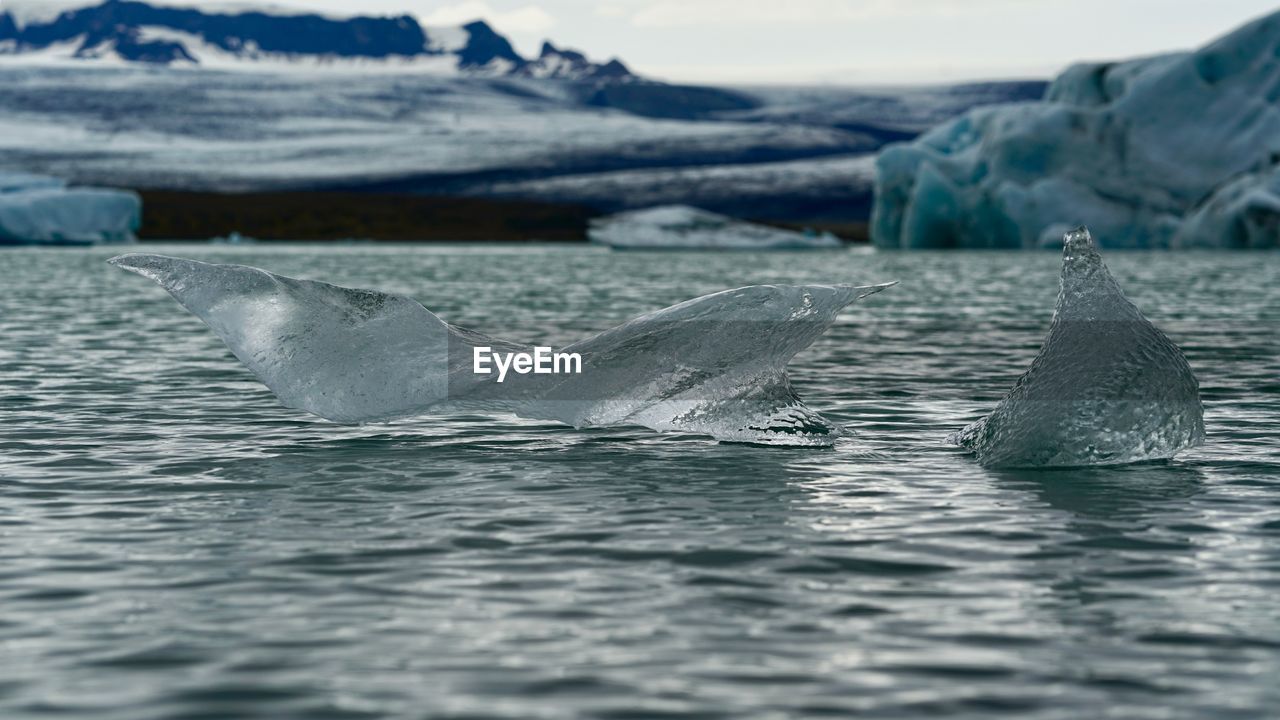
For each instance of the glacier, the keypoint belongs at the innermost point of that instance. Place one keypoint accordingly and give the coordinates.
(714, 365)
(1106, 388)
(1173, 151)
(681, 227)
(43, 210)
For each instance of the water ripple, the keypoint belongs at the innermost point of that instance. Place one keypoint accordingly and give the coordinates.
(177, 545)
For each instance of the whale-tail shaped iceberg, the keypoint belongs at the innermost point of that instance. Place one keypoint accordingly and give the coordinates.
(1107, 387)
(714, 365)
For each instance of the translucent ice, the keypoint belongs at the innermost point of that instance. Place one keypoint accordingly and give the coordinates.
(1107, 387)
(714, 365)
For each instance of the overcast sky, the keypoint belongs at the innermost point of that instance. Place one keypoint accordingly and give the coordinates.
(836, 41)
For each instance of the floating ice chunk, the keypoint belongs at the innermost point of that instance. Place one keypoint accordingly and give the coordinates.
(714, 365)
(346, 355)
(681, 227)
(19, 181)
(1107, 387)
(46, 213)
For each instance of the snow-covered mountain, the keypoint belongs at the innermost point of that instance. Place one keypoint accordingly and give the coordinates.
(125, 32)
(556, 62)
(140, 95)
(802, 155)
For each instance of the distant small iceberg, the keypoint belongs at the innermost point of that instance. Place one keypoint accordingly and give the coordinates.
(42, 210)
(681, 227)
(1107, 388)
(233, 238)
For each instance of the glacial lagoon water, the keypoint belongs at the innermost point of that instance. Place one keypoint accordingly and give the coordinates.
(175, 544)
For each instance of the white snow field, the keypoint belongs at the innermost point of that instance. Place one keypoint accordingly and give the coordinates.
(1178, 150)
(258, 131)
(42, 210)
(723, 184)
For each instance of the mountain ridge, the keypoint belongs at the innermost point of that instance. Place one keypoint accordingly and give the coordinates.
(137, 32)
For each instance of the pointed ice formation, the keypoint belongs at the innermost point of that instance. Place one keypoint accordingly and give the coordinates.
(1107, 387)
(713, 365)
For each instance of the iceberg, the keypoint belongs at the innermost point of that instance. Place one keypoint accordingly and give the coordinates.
(681, 227)
(1107, 387)
(16, 182)
(233, 238)
(714, 365)
(1244, 213)
(1162, 152)
(43, 210)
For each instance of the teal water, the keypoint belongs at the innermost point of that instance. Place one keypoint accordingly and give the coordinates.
(174, 544)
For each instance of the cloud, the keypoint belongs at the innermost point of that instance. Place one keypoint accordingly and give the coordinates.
(611, 10)
(683, 13)
(530, 19)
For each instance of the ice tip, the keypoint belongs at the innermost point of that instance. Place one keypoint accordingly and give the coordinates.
(1078, 247)
(868, 290)
(154, 267)
(1077, 239)
(128, 261)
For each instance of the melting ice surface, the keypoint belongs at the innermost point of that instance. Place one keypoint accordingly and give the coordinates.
(713, 365)
(1107, 387)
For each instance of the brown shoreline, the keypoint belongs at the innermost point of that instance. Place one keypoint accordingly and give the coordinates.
(177, 215)
(390, 217)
